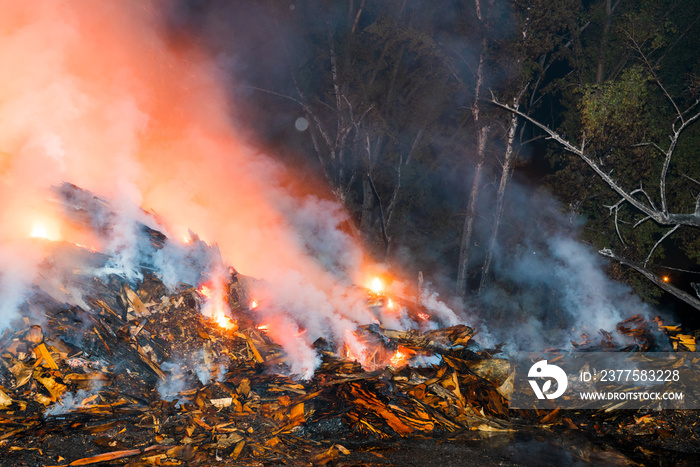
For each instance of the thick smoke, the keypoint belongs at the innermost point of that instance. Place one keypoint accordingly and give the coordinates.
(18, 260)
(551, 288)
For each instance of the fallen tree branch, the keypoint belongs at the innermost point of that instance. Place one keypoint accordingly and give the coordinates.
(666, 286)
(662, 217)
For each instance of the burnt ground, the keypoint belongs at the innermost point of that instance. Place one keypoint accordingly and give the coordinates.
(59, 439)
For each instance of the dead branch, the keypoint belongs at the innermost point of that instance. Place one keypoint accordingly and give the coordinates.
(616, 207)
(668, 287)
(657, 243)
(662, 217)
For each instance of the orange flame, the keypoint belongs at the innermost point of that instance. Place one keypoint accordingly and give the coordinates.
(401, 356)
(215, 306)
(348, 353)
(666, 278)
(262, 327)
(376, 285)
(205, 291)
(43, 230)
(225, 322)
(253, 303)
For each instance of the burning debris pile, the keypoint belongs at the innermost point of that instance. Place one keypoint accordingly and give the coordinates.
(128, 366)
(142, 372)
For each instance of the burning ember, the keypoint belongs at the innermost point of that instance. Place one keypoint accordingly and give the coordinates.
(253, 304)
(376, 286)
(401, 357)
(666, 278)
(40, 230)
(225, 322)
(215, 306)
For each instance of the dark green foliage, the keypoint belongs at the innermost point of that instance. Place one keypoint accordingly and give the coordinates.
(646, 48)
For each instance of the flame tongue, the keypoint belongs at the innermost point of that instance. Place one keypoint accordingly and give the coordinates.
(401, 356)
(215, 304)
(45, 231)
(225, 322)
(376, 286)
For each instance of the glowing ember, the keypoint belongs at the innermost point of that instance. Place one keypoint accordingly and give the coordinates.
(225, 322)
(215, 306)
(262, 327)
(392, 307)
(253, 303)
(423, 316)
(401, 356)
(666, 279)
(376, 285)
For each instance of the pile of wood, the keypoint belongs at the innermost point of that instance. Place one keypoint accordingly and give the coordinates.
(638, 335)
(137, 375)
(122, 379)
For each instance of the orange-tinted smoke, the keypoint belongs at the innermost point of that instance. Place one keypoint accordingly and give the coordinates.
(91, 93)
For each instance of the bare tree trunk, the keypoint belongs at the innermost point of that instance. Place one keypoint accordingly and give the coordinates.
(482, 132)
(468, 229)
(382, 222)
(508, 162)
(367, 208)
(367, 195)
